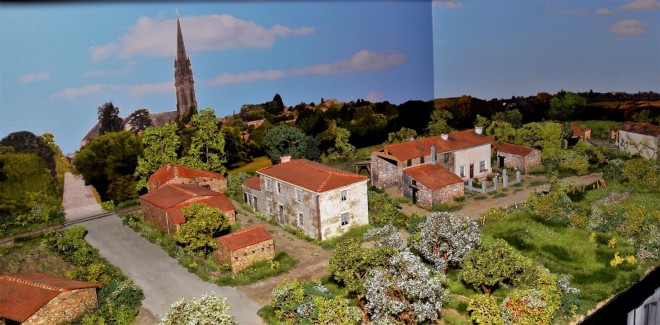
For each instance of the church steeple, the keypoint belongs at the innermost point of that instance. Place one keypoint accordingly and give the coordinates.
(183, 76)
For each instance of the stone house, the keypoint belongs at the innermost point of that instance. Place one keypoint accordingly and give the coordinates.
(242, 248)
(466, 154)
(519, 157)
(177, 174)
(44, 299)
(430, 184)
(321, 201)
(639, 138)
(163, 206)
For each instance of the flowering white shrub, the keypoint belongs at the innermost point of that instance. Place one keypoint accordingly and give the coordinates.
(207, 309)
(386, 235)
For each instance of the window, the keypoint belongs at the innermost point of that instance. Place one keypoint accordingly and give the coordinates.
(482, 165)
(421, 160)
(299, 195)
(409, 163)
(461, 171)
(414, 182)
(446, 158)
(343, 195)
(279, 188)
(301, 219)
(344, 219)
(269, 184)
(269, 204)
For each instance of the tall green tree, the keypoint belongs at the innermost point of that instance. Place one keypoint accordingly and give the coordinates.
(139, 120)
(160, 147)
(404, 134)
(342, 147)
(109, 120)
(564, 108)
(438, 124)
(512, 116)
(27, 142)
(108, 158)
(207, 150)
(202, 223)
(284, 140)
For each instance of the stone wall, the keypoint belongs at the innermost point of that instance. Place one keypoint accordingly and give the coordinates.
(384, 173)
(292, 206)
(157, 217)
(65, 307)
(634, 143)
(448, 193)
(258, 196)
(244, 257)
(331, 207)
(429, 198)
(532, 160)
(512, 161)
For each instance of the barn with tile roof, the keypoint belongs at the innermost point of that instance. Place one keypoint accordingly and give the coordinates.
(320, 200)
(242, 248)
(521, 158)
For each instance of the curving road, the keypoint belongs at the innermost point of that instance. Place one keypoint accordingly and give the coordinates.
(161, 278)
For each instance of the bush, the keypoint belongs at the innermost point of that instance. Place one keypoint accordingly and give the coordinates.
(108, 206)
(540, 169)
(493, 214)
(207, 309)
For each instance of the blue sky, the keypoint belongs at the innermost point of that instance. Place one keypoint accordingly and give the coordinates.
(59, 62)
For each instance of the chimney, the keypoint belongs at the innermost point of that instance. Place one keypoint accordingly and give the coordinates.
(285, 159)
(444, 136)
(433, 154)
(478, 129)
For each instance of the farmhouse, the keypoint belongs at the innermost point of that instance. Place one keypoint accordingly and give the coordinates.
(163, 206)
(242, 248)
(519, 157)
(465, 154)
(639, 138)
(177, 174)
(44, 299)
(321, 201)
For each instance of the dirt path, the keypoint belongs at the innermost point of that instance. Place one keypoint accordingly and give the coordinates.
(312, 259)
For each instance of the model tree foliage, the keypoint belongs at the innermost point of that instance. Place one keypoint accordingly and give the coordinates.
(207, 150)
(27, 142)
(445, 240)
(438, 124)
(207, 309)
(565, 108)
(139, 120)
(403, 135)
(109, 120)
(284, 140)
(202, 223)
(160, 147)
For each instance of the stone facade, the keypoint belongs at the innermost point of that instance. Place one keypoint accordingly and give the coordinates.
(385, 173)
(158, 218)
(254, 198)
(214, 184)
(246, 256)
(429, 197)
(519, 162)
(65, 307)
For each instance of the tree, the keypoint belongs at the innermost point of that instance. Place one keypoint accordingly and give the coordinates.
(481, 121)
(438, 124)
(493, 264)
(512, 116)
(545, 135)
(445, 240)
(404, 134)
(234, 188)
(139, 120)
(564, 108)
(207, 150)
(313, 148)
(642, 171)
(403, 291)
(553, 205)
(236, 149)
(342, 147)
(202, 223)
(160, 147)
(483, 310)
(278, 103)
(109, 120)
(207, 309)
(27, 142)
(284, 140)
(106, 159)
(501, 131)
(310, 302)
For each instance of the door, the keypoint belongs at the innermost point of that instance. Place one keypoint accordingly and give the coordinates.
(500, 161)
(280, 215)
(414, 195)
(471, 170)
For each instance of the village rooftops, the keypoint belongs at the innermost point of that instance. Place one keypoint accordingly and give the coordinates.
(422, 147)
(433, 176)
(22, 295)
(245, 237)
(311, 175)
(253, 182)
(169, 172)
(174, 197)
(641, 128)
(514, 149)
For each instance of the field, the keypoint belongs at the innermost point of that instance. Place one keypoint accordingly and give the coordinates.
(251, 167)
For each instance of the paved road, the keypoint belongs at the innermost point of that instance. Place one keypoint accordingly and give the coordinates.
(161, 278)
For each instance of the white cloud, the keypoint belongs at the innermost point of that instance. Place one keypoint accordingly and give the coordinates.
(447, 3)
(145, 89)
(32, 77)
(603, 11)
(156, 37)
(363, 60)
(573, 12)
(628, 27)
(641, 4)
(72, 93)
(374, 96)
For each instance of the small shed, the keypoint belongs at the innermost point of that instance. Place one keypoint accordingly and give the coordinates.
(38, 298)
(430, 184)
(520, 157)
(242, 248)
(579, 132)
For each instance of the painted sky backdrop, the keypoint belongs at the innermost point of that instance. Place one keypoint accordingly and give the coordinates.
(59, 62)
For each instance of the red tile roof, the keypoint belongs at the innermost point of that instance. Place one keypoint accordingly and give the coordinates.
(514, 149)
(311, 175)
(422, 147)
(169, 172)
(174, 197)
(253, 182)
(22, 295)
(577, 131)
(645, 128)
(245, 237)
(433, 176)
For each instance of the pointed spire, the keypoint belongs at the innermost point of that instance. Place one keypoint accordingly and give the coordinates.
(180, 47)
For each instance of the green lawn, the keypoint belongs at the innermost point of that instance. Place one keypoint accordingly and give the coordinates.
(251, 167)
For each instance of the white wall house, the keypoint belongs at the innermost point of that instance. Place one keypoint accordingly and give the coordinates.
(639, 138)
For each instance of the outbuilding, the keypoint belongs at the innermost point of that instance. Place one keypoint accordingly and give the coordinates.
(242, 248)
(430, 184)
(519, 157)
